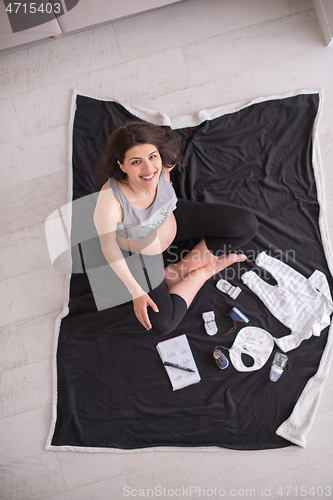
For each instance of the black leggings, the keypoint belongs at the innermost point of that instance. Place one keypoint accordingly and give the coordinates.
(224, 228)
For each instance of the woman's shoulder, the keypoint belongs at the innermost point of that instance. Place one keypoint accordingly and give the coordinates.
(107, 202)
(106, 186)
(111, 189)
(106, 193)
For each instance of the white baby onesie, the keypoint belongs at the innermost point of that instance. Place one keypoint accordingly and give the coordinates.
(303, 305)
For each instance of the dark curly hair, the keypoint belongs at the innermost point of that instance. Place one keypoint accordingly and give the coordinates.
(132, 134)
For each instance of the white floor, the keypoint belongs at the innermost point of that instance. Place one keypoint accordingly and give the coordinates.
(179, 59)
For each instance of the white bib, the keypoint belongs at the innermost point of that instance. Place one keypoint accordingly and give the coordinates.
(254, 342)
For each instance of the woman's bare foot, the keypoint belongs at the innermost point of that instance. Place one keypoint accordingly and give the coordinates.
(220, 263)
(189, 286)
(175, 274)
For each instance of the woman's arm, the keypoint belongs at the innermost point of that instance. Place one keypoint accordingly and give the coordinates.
(106, 216)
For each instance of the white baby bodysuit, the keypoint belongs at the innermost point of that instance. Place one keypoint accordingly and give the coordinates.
(303, 305)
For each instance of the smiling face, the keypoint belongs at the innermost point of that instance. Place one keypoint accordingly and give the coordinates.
(142, 166)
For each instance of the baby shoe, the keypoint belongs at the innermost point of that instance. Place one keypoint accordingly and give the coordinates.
(221, 361)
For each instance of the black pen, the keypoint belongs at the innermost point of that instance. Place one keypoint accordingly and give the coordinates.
(166, 363)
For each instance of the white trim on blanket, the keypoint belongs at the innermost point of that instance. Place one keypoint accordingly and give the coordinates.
(297, 426)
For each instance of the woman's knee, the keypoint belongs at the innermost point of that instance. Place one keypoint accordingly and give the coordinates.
(243, 227)
(250, 225)
(162, 322)
(169, 316)
(162, 328)
(247, 227)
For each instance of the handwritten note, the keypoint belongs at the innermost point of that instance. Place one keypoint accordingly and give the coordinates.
(177, 351)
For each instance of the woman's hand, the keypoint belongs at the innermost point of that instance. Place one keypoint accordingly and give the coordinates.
(140, 305)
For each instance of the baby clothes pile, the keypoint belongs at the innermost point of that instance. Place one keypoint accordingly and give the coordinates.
(302, 304)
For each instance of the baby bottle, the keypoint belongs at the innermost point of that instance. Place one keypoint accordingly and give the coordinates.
(279, 362)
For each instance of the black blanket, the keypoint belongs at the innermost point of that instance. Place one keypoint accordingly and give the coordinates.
(112, 389)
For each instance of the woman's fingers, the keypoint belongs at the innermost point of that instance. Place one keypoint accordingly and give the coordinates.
(140, 308)
(146, 320)
(153, 305)
(142, 316)
(143, 319)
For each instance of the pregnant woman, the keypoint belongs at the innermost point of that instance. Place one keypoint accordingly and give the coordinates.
(138, 213)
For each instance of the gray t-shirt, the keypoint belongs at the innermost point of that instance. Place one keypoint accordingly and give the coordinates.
(138, 224)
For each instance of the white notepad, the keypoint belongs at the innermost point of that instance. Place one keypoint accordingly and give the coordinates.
(177, 350)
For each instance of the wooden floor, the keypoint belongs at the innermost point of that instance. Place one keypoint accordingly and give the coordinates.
(178, 59)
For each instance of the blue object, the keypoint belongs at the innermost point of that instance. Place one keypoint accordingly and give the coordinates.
(238, 315)
(221, 361)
